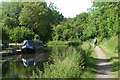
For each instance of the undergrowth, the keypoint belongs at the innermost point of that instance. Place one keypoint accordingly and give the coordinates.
(70, 63)
(91, 67)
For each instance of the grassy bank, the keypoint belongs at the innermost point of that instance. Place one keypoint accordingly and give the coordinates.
(110, 48)
(91, 67)
(6, 51)
(15, 43)
(74, 43)
(72, 62)
(12, 44)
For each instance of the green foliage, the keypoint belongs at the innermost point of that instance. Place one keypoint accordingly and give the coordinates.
(55, 15)
(37, 37)
(36, 16)
(102, 21)
(111, 44)
(39, 18)
(66, 65)
(19, 34)
(73, 43)
(5, 35)
(90, 60)
(80, 19)
(66, 62)
(10, 13)
(71, 28)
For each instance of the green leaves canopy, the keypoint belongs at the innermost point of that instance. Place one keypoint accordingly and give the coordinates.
(39, 18)
(19, 34)
(10, 13)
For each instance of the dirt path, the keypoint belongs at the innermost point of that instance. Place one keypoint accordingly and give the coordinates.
(104, 68)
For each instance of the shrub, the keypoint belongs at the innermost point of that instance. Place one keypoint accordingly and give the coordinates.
(36, 37)
(65, 65)
(18, 34)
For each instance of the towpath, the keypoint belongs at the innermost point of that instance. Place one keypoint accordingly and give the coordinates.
(103, 66)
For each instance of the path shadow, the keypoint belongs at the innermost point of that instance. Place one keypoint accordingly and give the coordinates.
(115, 64)
(113, 58)
(102, 67)
(106, 67)
(90, 64)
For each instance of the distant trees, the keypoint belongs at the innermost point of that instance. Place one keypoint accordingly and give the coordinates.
(101, 21)
(44, 21)
(10, 13)
(71, 28)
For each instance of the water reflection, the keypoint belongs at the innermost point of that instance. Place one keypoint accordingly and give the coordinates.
(14, 68)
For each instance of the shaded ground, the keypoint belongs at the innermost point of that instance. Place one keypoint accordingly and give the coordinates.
(0, 61)
(103, 66)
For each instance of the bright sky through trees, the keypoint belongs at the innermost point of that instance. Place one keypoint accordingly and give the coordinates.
(69, 8)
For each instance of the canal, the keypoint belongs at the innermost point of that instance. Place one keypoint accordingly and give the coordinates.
(13, 66)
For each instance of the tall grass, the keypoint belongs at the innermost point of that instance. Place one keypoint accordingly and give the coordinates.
(70, 63)
(91, 59)
(74, 43)
(111, 43)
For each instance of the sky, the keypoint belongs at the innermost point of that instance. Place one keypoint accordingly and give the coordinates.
(70, 8)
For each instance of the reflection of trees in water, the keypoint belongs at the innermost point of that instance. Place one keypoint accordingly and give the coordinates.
(36, 56)
(5, 68)
(16, 68)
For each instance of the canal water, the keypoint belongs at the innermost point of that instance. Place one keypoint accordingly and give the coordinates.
(13, 66)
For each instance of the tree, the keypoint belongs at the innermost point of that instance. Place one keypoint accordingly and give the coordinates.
(10, 13)
(39, 18)
(80, 19)
(4, 35)
(18, 34)
(102, 21)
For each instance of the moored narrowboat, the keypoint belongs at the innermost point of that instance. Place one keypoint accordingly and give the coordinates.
(30, 45)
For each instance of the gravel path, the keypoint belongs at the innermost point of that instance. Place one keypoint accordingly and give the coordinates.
(103, 66)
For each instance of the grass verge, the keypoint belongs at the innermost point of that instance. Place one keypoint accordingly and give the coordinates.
(91, 67)
(73, 43)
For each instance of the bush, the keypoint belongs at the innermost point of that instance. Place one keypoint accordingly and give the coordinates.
(5, 44)
(65, 65)
(5, 33)
(18, 34)
(36, 37)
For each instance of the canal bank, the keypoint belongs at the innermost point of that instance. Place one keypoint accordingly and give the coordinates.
(67, 60)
